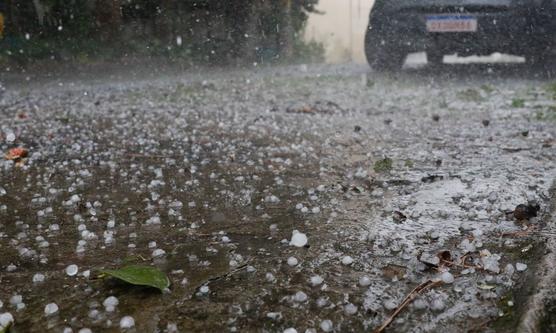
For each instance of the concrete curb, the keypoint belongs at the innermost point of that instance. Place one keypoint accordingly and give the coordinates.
(536, 307)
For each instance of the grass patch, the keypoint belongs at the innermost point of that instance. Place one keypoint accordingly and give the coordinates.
(383, 165)
(518, 103)
(551, 89)
(486, 88)
(548, 114)
(470, 95)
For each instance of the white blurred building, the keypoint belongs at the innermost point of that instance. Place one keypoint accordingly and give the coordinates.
(341, 28)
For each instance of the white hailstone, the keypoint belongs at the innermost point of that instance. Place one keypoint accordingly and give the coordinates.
(225, 239)
(490, 261)
(10, 137)
(172, 328)
(350, 309)
(326, 325)
(16, 299)
(85, 330)
(86, 274)
(364, 281)
(298, 239)
(67, 330)
(94, 314)
(300, 297)
(110, 303)
(292, 261)
(152, 245)
(420, 304)
(437, 305)
(3, 191)
(316, 280)
(322, 302)
(272, 199)
(274, 315)
(204, 289)
(290, 330)
(158, 253)
(390, 304)
(6, 319)
(153, 220)
(447, 277)
(520, 267)
(38, 278)
(127, 322)
(347, 260)
(51, 309)
(315, 210)
(72, 270)
(509, 270)
(270, 277)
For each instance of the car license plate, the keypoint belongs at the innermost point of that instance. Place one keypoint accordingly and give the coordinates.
(451, 23)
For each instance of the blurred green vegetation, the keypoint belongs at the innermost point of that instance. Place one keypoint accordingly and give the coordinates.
(206, 31)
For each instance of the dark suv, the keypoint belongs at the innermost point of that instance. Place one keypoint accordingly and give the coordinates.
(464, 27)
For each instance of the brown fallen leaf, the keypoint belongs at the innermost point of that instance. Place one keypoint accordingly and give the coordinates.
(525, 212)
(445, 257)
(16, 154)
(398, 216)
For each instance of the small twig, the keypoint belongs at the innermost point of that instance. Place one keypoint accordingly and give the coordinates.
(409, 298)
(225, 275)
(479, 327)
(514, 149)
(520, 233)
(463, 265)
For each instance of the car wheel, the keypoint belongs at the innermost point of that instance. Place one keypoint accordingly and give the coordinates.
(435, 58)
(541, 60)
(383, 55)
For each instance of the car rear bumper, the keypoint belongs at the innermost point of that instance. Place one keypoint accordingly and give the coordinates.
(515, 31)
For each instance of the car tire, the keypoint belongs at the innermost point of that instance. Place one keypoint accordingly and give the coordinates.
(541, 60)
(435, 58)
(381, 54)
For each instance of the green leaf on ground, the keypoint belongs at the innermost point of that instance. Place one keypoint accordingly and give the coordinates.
(384, 165)
(140, 276)
(6, 329)
(518, 103)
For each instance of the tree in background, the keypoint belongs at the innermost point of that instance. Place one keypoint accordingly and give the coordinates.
(210, 30)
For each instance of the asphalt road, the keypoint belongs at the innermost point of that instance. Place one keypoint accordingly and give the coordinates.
(215, 177)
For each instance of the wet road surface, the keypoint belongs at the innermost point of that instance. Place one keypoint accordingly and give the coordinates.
(208, 176)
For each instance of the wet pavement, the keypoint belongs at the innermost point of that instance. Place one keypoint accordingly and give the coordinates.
(215, 177)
